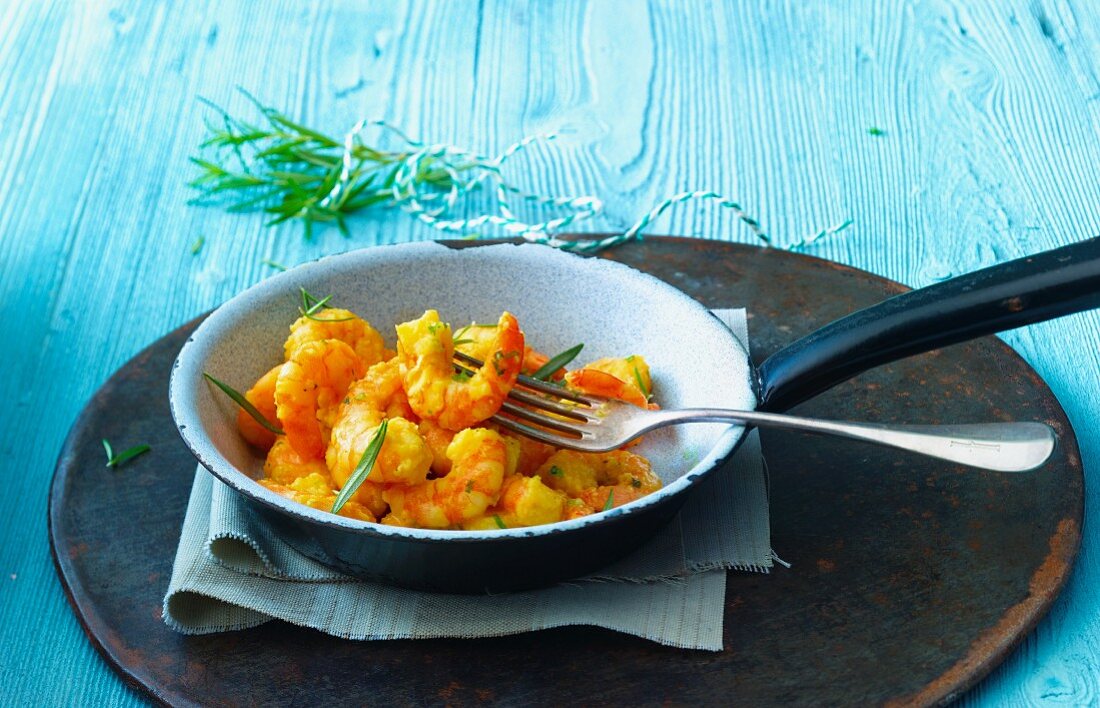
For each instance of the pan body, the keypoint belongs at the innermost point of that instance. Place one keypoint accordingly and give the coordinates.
(560, 300)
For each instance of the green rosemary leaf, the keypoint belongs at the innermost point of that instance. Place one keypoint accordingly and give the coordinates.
(641, 383)
(308, 299)
(197, 245)
(274, 264)
(500, 357)
(244, 403)
(556, 362)
(368, 201)
(358, 187)
(460, 342)
(316, 304)
(369, 154)
(875, 131)
(125, 456)
(391, 178)
(366, 464)
(302, 180)
(291, 171)
(556, 471)
(282, 147)
(280, 219)
(315, 318)
(230, 139)
(238, 182)
(210, 167)
(311, 306)
(610, 500)
(461, 376)
(500, 521)
(250, 204)
(281, 120)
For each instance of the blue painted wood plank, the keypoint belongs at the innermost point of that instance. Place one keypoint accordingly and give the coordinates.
(988, 114)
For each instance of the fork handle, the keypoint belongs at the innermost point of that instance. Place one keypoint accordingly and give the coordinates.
(1012, 294)
(1004, 447)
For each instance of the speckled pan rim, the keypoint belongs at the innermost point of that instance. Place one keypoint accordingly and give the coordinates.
(187, 422)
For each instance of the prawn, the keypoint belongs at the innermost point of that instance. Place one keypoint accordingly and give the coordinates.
(438, 439)
(530, 454)
(335, 323)
(426, 350)
(404, 457)
(596, 481)
(284, 465)
(262, 396)
(625, 379)
(578, 472)
(381, 389)
(524, 501)
(478, 458)
(309, 389)
(477, 340)
(315, 491)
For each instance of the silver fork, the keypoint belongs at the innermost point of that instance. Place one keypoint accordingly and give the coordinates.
(594, 424)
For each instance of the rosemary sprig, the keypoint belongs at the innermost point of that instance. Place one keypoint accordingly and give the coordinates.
(556, 362)
(500, 521)
(610, 499)
(289, 171)
(243, 402)
(311, 306)
(366, 464)
(123, 457)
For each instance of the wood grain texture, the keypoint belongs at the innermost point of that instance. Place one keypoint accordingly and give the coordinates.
(989, 112)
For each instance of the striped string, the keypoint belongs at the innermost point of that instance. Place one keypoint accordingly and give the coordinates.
(469, 171)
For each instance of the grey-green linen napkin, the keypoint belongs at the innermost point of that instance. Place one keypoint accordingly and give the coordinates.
(232, 572)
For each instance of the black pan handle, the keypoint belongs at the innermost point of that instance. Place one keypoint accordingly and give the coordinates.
(1013, 294)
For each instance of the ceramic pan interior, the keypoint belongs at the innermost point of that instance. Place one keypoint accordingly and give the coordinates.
(559, 299)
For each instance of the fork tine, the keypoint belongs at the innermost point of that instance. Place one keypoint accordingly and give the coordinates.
(542, 420)
(528, 382)
(538, 434)
(546, 404)
(577, 413)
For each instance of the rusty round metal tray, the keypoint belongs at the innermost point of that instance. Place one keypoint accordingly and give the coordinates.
(910, 580)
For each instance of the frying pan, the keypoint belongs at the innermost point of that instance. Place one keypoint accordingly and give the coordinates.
(1005, 296)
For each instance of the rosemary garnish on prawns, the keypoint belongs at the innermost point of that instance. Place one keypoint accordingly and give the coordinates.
(312, 305)
(243, 402)
(556, 362)
(366, 464)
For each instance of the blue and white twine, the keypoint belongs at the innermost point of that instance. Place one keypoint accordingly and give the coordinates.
(469, 171)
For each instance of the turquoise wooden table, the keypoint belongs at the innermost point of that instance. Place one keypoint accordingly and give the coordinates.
(950, 136)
